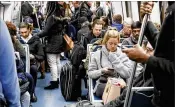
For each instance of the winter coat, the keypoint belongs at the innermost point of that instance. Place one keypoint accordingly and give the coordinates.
(99, 12)
(54, 32)
(161, 65)
(117, 60)
(85, 11)
(35, 47)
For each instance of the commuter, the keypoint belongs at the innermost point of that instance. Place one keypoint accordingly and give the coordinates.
(95, 33)
(142, 80)
(110, 57)
(135, 31)
(161, 64)
(117, 22)
(105, 21)
(54, 29)
(19, 48)
(36, 51)
(99, 10)
(85, 10)
(75, 16)
(9, 86)
(126, 31)
(33, 30)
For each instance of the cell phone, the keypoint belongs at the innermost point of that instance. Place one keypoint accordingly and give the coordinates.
(126, 46)
(111, 69)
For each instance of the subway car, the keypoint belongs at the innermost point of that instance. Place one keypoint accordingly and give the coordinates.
(87, 54)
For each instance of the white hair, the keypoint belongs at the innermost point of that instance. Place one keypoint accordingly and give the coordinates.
(128, 21)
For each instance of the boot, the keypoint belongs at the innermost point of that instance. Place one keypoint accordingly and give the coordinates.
(33, 98)
(53, 85)
(42, 76)
(57, 81)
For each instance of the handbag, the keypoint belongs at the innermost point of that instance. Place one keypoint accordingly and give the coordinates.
(69, 43)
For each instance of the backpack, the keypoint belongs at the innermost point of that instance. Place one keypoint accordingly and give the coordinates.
(78, 54)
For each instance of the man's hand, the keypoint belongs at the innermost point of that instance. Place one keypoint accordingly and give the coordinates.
(137, 54)
(146, 8)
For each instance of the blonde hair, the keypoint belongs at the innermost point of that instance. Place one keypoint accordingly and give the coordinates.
(111, 33)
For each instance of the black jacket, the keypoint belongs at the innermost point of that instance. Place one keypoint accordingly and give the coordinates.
(85, 11)
(35, 47)
(54, 30)
(99, 12)
(161, 65)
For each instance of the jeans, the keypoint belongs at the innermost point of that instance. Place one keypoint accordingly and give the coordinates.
(55, 65)
(25, 99)
(31, 83)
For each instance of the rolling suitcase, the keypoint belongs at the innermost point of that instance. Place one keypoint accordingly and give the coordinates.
(70, 82)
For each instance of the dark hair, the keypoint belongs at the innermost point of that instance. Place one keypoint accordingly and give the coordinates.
(136, 24)
(24, 25)
(95, 18)
(117, 18)
(106, 20)
(97, 3)
(11, 27)
(52, 7)
(98, 22)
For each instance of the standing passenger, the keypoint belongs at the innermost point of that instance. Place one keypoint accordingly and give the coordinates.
(9, 86)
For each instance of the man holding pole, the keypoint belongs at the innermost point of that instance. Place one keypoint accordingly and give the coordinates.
(161, 65)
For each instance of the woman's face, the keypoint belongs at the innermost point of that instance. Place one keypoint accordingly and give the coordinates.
(111, 44)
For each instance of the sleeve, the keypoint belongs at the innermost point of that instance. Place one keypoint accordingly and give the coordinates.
(93, 71)
(40, 52)
(49, 24)
(8, 73)
(121, 64)
(151, 33)
(161, 65)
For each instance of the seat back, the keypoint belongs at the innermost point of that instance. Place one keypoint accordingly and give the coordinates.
(92, 82)
(27, 63)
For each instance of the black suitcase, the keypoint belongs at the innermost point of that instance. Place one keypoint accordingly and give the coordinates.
(70, 82)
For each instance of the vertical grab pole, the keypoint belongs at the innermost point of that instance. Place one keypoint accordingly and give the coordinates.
(141, 36)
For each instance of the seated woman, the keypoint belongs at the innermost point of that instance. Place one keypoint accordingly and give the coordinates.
(108, 58)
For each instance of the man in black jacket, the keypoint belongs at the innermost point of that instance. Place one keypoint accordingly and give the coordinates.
(161, 65)
(36, 52)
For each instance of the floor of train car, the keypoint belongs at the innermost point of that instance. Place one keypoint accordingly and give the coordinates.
(48, 98)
